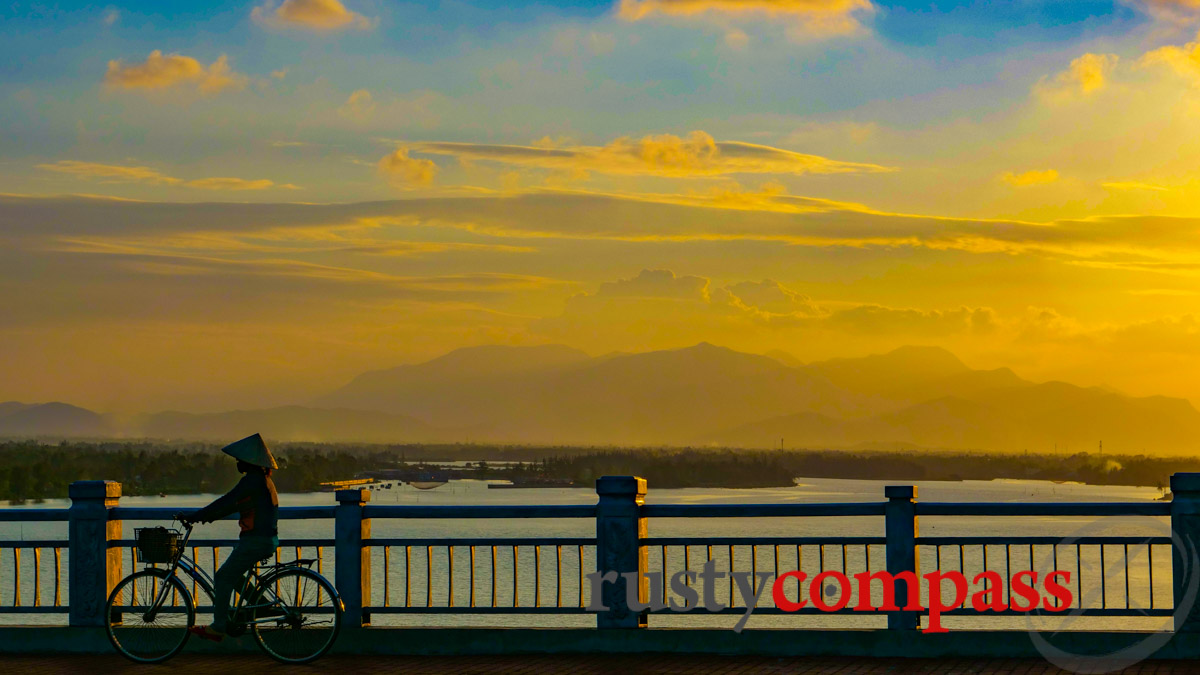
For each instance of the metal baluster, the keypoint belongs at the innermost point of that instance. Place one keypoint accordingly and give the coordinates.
(493, 576)
(195, 585)
(57, 577)
(320, 552)
(799, 564)
(450, 576)
(408, 576)
(1007, 572)
(731, 575)
(1103, 586)
(558, 576)
(516, 569)
(428, 575)
(16, 576)
(537, 576)
(844, 570)
(471, 576)
(1054, 548)
(664, 574)
(387, 568)
(962, 565)
(37, 577)
(581, 575)
(687, 564)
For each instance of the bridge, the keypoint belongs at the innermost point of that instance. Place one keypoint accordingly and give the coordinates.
(1144, 575)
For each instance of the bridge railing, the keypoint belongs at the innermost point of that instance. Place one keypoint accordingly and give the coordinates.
(1138, 575)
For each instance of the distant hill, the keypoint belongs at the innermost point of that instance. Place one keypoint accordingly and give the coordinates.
(288, 423)
(912, 397)
(50, 419)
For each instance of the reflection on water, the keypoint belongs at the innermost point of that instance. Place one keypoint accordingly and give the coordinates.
(539, 573)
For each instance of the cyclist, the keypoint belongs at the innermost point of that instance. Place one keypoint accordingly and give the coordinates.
(255, 499)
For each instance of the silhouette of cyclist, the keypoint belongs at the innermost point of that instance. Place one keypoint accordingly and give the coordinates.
(257, 503)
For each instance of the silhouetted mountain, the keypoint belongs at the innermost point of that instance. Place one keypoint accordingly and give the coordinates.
(921, 397)
(50, 419)
(288, 423)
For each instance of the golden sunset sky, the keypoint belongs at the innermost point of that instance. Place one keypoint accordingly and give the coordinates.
(239, 204)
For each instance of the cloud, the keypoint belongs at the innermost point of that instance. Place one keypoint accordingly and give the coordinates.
(881, 320)
(1184, 61)
(1029, 178)
(656, 284)
(358, 107)
(813, 17)
(697, 154)
(112, 173)
(411, 170)
(772, 297)
(173, 70)
(317, 15)
(1086, 75)
(1133, 185)
(237, 184)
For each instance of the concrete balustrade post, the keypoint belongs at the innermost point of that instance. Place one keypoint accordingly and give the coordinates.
(94, 568)
(1185, 531)
(352, 560)
(620, 526)
(900, 525)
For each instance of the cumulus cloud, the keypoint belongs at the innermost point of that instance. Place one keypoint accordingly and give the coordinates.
(359, 106)
(813, 17)
(881, 320)
(410, 170)
(317, 15)
(657, 284)
(1184, 61)
(697, 154)
(173, 70)
(1029, 178)
(113, 173)
(772, 297)
(1086, 75)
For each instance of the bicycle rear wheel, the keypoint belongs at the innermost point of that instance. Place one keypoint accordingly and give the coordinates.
(143, 635)
(304, 619)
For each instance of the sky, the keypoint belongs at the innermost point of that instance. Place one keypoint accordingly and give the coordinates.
(244, 204)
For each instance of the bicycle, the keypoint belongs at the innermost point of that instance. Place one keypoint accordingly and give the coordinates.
(293, 613)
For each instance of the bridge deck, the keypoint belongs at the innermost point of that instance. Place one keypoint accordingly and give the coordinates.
(575, 665)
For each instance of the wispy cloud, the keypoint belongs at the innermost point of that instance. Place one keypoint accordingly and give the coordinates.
(1029, 178)
(173, 70)
(114, 173)
(696, 155)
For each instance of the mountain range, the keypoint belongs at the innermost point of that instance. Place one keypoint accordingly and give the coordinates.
(701, 395)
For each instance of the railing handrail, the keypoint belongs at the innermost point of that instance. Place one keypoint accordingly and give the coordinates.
(480, 511)
(1097, 509)
(762, 510)
(34, 515)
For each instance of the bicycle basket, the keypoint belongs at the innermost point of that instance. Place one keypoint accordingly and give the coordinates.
(156, 544)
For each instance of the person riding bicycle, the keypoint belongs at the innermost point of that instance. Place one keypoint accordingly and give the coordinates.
(255, 499)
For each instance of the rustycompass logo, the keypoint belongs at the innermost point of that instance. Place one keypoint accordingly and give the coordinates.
(833, 591)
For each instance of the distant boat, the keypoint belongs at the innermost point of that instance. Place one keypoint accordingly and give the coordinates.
(426, 484)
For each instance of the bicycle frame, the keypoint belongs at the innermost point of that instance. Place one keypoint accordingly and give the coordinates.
(253, 582)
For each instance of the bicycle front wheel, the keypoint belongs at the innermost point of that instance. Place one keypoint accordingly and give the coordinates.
(303, 619)
(148, 616)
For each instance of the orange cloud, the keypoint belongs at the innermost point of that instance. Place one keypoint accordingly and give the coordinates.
(407, 169)
(698, 154)
(1029, 178)
(319, 15)
(1185, 60)
(113, 173)
(173, 70)
(1086, 75)
(819, 17)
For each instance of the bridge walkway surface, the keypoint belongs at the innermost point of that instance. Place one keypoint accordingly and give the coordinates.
(654, 664)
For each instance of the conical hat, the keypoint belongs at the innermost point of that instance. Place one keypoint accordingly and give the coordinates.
(252, 450)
